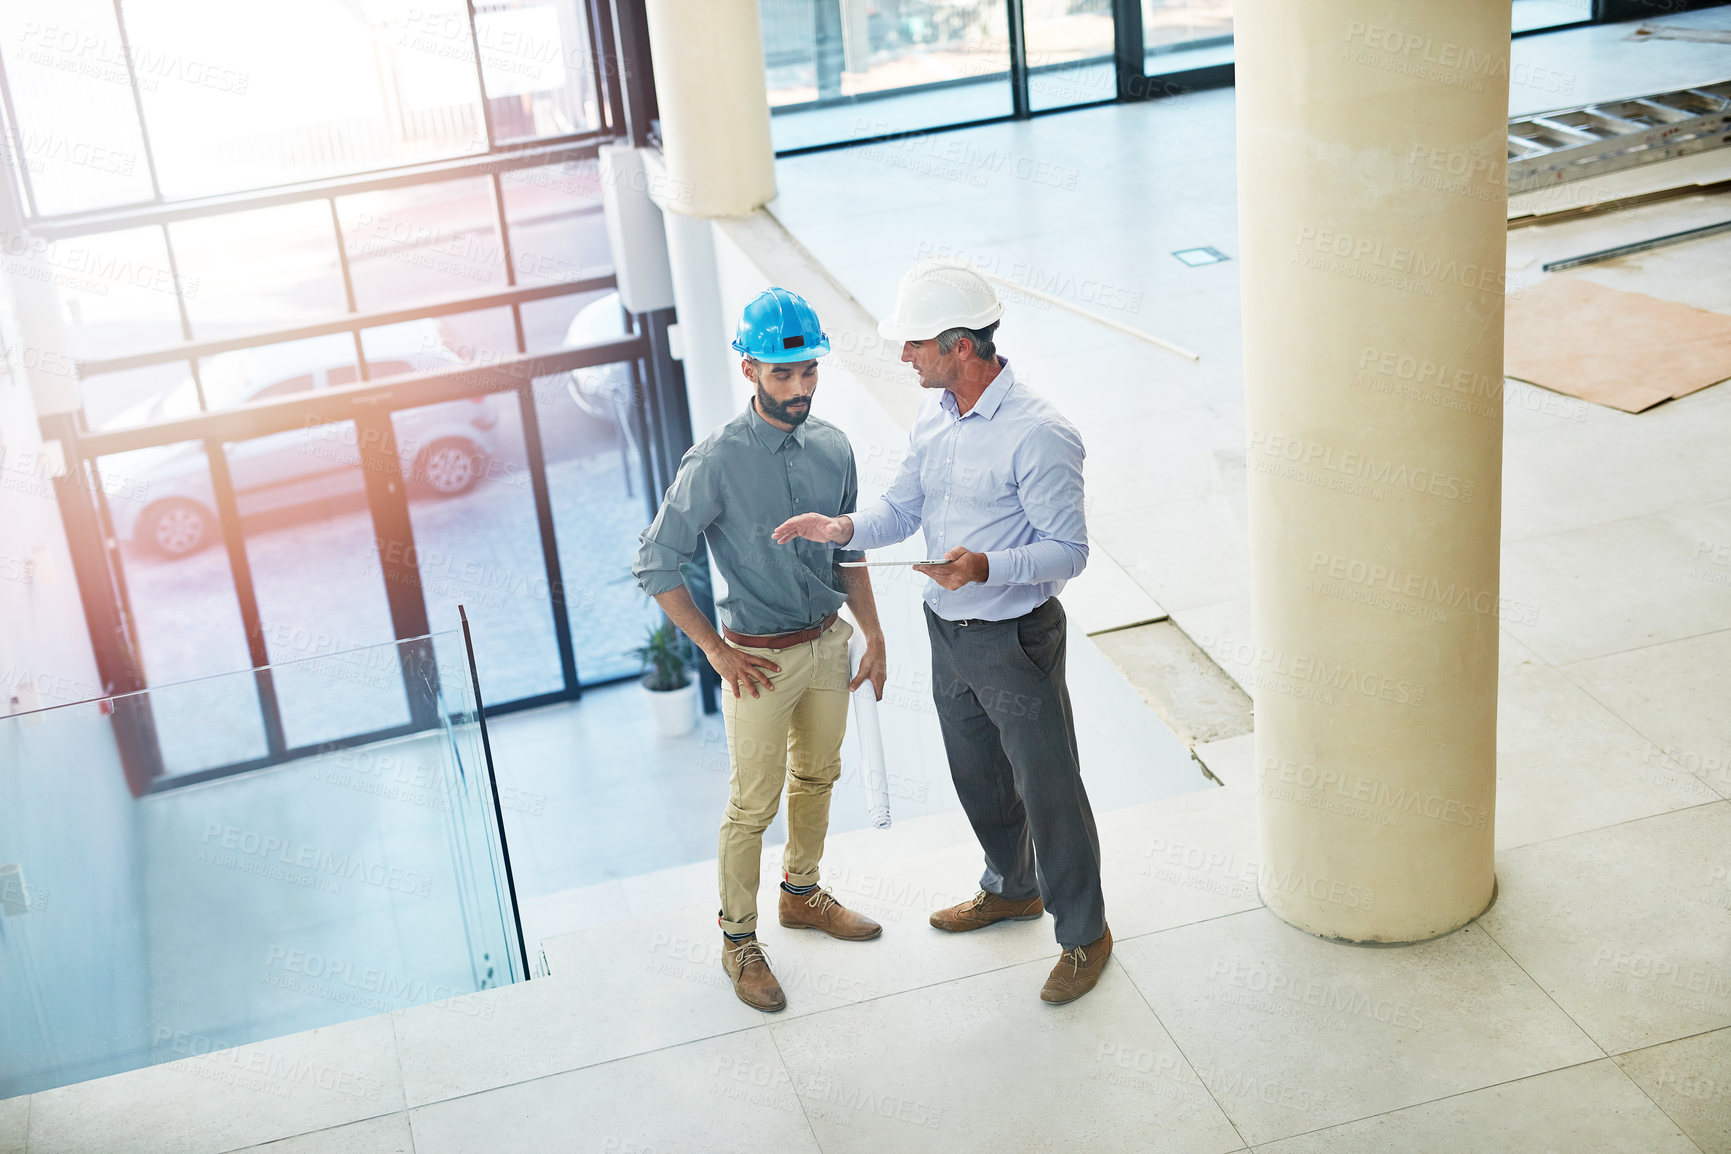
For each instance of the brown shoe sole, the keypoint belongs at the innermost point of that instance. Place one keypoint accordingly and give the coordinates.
(1066, 1001)
(777, 1008)
(993, 922)
(876, 933)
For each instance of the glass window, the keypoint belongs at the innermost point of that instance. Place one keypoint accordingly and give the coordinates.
(229, 380)
(429, 242)
(416, 346)
(557, 234)
(260, 270)
(557, 230)
(1528, 15)
(474, 339)
(478, 540)
(1070, 47)
(116, 290)
(1183, 34)
(561, 322)
(538, 69)
(313, 554)
(249, 93)
(846, 69)
(286, 388)
(181, 603)
(595, 482)
(77, 138)
(133, 397)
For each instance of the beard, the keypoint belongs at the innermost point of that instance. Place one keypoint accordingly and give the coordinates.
(780, 410)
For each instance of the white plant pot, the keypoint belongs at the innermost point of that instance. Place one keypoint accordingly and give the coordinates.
(673, 712)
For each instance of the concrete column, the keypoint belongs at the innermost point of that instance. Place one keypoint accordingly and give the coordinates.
(709, 86)
(714, 105)
(1371, 179)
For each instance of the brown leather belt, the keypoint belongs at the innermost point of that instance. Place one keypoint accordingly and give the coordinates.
(779, 640)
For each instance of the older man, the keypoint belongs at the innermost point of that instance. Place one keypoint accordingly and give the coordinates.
(994, 476)
(782, 650)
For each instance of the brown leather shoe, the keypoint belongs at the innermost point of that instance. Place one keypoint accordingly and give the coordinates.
(1078, 971)
(819, 910)
(983, 909)
(748, 968)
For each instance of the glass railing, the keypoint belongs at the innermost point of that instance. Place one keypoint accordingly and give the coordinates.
(360, 878)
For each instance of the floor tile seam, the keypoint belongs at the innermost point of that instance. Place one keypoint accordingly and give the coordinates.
(1260, 905)
(1563, 665)
(1442, 1098)
(1539, 986)
(997, 969)
(1693, 504)
(1605, 705)
(1725, 1029)
(1698, 1032)
(320, 1130)
(1534, 645)
(1614, 825)
(898, 993)
(805, 1115)
(1632, 727)
(1525, 538)
(1664, 1113)
(596, 1064)
(1176, 1045)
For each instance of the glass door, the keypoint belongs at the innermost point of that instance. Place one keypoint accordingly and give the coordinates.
(169, 559)
(840, 70)
(478, 541)
(1070, 45)
(314, 565)
(1180, 36)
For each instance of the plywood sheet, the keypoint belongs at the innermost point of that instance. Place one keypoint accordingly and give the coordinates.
(1622, 349)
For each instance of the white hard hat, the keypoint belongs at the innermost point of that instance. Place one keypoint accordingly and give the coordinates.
(936, 296)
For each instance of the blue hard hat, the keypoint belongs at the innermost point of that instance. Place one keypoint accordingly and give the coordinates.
(779, 327)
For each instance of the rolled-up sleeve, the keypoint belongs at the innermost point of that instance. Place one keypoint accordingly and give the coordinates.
(1048, 471)
(691, 506)
(896, 515)
(849, 502)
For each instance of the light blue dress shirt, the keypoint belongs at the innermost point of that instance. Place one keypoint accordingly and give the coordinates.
(1004, 480)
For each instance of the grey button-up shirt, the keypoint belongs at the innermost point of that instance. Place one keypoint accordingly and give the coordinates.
(742, 481)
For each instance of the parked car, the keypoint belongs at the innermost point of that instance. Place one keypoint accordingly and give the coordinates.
(444, 449)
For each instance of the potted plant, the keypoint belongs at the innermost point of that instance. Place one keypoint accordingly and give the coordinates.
(667, 682)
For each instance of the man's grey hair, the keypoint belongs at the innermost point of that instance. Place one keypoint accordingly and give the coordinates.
(981, 338)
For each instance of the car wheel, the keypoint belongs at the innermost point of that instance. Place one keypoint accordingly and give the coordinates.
(177, 528)
(449, 467)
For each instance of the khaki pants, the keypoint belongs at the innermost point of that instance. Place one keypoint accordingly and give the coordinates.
(792, 733)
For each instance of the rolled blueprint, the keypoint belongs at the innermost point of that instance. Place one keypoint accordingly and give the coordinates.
(870, 736)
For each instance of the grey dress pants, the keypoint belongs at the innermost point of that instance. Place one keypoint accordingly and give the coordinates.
(1011, 741)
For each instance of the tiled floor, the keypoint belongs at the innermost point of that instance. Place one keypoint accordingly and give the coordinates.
(1578, 1015)
(1588, 1010)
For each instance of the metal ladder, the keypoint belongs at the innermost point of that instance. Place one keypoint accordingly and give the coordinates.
(1574, 143)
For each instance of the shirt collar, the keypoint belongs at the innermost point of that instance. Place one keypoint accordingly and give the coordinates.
(768, 435)
(987, 405)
